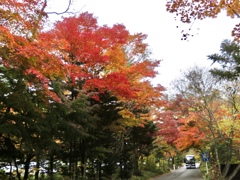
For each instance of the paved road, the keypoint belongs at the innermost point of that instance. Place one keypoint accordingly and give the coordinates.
(182, 174)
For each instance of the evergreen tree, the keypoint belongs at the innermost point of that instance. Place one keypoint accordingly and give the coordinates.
(229, 59)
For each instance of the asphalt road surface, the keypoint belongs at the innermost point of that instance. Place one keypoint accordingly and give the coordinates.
(182, 174)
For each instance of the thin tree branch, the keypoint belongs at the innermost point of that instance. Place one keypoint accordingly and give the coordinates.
(66, 11)
(233, 11)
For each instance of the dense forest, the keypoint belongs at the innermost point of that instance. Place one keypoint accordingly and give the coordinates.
(77, 102)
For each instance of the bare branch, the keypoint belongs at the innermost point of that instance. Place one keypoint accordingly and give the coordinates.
(66, 11)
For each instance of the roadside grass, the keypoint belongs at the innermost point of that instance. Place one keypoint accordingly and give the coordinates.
(203, 169)
(146, 175)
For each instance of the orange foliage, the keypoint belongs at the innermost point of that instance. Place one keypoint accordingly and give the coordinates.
(190, 10)
(179, 126)
(32, 58)
(78, 52)
(191, 132)
(24, 17)
(106, 59)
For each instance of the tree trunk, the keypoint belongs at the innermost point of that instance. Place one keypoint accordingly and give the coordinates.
(228, 160)
(173, 163)
(16, 165)
(27, 162)
(135, 164)
(83, 156)
(51, 167)
(141, 164)
(75, 159)
(233, 174)
(70, 160)
(37, 166)
(98, 171)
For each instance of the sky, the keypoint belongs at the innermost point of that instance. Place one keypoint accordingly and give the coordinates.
(164, 38)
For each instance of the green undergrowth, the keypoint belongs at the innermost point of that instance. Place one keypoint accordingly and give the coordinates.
(146, 175)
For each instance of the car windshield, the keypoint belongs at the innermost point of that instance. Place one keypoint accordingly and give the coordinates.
(189, 157)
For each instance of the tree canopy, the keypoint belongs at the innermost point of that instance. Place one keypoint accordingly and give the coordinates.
(78, 96)
(77, 92)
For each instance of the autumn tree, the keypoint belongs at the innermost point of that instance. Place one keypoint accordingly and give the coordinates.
(178, 119)
(213, 104)
(112, 68)
(190, 11)
(178, 131)
(62, 88)
(228, 59)
(167, 123)
(26, 71)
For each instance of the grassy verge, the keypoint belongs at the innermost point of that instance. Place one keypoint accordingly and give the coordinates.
(203, 169)
(148, 175)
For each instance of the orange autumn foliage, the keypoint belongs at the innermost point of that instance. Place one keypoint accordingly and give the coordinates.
(78, 53)
(179, 126)
(191, 132)
(190, 10)
(106, 58)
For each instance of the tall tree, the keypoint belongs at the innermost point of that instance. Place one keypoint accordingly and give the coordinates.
(56, 84)
(111, 67)
(142, 142)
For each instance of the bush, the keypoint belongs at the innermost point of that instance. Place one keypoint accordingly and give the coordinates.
(151, 163)
(148, 175)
